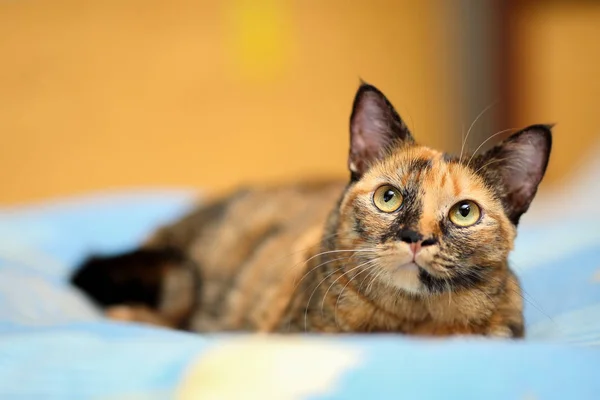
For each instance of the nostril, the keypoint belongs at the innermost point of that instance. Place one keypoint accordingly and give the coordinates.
(428, 242)
(409, 236)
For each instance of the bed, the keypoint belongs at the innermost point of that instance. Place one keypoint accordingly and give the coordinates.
(55, 344)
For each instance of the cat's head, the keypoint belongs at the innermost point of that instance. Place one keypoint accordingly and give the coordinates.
(433, 222)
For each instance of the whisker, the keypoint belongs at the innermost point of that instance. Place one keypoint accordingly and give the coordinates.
(338, 278)
(345, 286)
(522, 293)
(487, 140)
(538, 308)
(462, 138)
(377, 275)
(471, 127)
(342, 251)
(313, 293)
(533, 303)
(370, 274)
(318, 243)
(334, 251)
(323, 263)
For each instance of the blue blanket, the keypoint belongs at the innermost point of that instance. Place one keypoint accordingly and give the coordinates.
(55, 344)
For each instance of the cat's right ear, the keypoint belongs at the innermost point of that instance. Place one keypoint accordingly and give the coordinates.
(374, 126)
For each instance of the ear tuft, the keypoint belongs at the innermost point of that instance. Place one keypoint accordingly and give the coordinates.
(374, 125)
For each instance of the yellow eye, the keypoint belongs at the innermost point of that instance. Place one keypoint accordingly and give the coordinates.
(387, 198)
(464, 213)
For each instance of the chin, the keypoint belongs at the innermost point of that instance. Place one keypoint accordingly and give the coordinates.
(406, 278)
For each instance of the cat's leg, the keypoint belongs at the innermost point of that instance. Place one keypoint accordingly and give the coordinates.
(154, 286)
(507, 321)
(506, 325)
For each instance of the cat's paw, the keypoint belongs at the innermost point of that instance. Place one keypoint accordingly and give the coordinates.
(501, 332)
(136, 314)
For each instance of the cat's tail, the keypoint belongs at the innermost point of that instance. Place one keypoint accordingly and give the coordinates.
(156, 286)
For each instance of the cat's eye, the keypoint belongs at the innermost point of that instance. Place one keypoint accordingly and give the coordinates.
(465, 213)
(387, 198)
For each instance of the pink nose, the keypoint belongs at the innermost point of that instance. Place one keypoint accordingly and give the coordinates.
(415, 247)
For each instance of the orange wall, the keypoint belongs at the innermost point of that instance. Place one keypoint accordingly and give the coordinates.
(557, 78)
(105, 94)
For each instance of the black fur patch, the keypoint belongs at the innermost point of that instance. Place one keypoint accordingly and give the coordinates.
(445, 228)
(469, 279)
(420, 164)
(408, 216)
(358, 226)
(129, 278)
(433, 284)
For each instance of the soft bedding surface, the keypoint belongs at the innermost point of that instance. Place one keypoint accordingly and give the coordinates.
(54, 343)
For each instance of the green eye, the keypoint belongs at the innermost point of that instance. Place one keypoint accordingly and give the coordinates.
(464, 213)
(387, 198)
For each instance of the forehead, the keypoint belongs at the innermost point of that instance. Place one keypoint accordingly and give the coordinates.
(436, 176)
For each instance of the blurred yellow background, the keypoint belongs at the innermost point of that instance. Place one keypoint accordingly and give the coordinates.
(555, 68)
(101, 95)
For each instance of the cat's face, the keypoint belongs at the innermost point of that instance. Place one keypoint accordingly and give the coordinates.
(433, 222)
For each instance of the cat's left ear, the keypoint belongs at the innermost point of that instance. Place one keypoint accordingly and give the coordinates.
(518, 165)
(374, 126)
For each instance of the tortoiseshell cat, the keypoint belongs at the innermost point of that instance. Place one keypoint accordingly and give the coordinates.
(416, 242)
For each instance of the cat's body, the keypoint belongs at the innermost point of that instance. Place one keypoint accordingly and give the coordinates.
(252, 248)
(417, 242)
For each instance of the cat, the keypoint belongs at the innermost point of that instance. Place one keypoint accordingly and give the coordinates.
(416, 242)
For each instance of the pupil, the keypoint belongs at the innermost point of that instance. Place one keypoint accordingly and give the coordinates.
(388, 195)
(464, 210)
